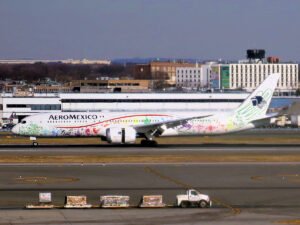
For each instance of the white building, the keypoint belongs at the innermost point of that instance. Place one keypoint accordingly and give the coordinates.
(20, 107)
(249, 76)
(192, 77)
(13, 109)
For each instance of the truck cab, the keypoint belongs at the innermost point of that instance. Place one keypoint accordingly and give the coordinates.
(193, 198)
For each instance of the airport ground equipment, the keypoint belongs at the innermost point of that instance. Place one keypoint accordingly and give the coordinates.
(152, 201)
(193, 198)
(45, 202)
(114, 201)
(76, 202)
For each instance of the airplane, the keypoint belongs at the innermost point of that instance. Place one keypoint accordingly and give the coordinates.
(126, 127)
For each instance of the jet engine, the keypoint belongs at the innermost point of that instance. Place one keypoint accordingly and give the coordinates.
(120, 135)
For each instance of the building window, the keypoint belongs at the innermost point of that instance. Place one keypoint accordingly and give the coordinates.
(16, 106)
(36, 106)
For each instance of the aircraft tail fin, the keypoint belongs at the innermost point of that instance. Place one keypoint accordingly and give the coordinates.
(257, 103)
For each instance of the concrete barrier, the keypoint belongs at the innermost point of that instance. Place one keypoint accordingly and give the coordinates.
(114, 201)
(152, 201)
(76, 202)
(45, 202)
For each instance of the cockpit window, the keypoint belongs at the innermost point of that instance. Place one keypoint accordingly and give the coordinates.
(23, 121)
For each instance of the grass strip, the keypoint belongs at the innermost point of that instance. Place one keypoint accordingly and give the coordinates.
(165, 158)
(234, 139)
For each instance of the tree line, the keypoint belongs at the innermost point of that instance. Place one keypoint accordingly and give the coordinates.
(59, 71)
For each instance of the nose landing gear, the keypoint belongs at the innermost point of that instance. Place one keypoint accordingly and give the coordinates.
(34, 142)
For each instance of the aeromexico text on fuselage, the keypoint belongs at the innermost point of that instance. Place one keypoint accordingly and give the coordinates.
(73, 117)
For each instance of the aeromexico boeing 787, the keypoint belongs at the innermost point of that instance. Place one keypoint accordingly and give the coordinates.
(125, 127)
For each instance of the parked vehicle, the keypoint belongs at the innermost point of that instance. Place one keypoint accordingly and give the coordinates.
(193, 198)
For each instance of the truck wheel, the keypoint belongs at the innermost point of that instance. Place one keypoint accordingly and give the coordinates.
(202, 204)
(184, 204)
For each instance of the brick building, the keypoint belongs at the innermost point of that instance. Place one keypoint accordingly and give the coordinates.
(167, 70)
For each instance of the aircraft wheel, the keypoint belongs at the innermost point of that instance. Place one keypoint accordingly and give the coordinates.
(143, 142)
(153, 143)
(35, 144)
(148, 143)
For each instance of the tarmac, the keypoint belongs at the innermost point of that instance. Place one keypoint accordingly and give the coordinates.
(247, 192)
(251, 216)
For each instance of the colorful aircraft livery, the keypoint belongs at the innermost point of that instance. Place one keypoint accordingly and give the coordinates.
(125, 127)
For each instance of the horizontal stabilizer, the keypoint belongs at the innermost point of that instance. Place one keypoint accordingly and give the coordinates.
(268, 116)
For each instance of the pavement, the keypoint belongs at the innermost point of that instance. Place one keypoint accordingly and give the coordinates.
(161, 154)
(253, 216)
(252, 192)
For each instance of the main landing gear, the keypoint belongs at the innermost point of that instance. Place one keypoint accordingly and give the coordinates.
(148, 143)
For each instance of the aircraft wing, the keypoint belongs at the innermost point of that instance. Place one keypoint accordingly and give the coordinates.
(157, 128)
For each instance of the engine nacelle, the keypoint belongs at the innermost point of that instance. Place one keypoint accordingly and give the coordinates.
(120, 135)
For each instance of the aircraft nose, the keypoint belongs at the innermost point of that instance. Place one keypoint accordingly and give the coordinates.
(15, 129)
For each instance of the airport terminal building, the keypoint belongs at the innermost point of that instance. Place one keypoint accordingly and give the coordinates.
(15, 108)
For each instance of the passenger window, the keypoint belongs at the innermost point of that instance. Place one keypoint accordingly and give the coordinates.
(23, 121)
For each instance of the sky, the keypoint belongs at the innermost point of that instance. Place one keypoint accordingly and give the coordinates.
(110, 29)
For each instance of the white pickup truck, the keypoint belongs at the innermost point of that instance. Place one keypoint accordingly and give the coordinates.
(193, 198)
